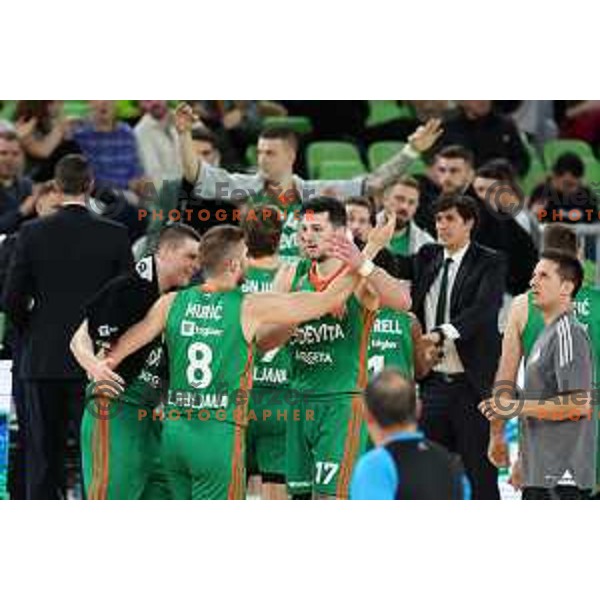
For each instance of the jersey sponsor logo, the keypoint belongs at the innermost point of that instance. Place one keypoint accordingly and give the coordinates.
(313, 358)
(269, 375)
(190, 329)
(387, 326)
(147, 377)
(383, 345)
(315, 334)
(154, 357)
(204, 311)
(106, 331)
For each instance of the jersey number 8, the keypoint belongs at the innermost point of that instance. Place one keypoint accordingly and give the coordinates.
(198, 373)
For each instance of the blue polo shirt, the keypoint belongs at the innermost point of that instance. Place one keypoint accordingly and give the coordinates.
(409, 467)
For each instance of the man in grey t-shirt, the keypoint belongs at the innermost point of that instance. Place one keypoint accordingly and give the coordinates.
(558, 429)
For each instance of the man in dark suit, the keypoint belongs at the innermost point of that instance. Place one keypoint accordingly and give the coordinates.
(457, 288)
(59, 263)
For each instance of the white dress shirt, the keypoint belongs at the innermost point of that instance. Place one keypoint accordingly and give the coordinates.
(451, 362)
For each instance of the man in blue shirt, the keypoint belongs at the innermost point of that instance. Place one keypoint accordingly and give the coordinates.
(405, 465)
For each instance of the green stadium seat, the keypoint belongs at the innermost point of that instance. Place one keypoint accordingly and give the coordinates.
(419, 167)
(382, 111)
(317, 152)
(380, 152)
(554, 149)
(301, 125)
(340, 169)
(78, 109)
(251, 155)
(8, 110)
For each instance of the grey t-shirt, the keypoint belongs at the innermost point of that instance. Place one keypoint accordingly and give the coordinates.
(559, 452)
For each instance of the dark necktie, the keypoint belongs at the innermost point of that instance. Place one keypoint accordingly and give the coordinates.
(440, 310)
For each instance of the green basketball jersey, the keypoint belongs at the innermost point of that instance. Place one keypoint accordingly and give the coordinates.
(210, 362)
(271, 369)
(329, 354)
(290, 214)
(391, 343)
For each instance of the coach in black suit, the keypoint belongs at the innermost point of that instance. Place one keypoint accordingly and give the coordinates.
(457, 289)
(59, 263)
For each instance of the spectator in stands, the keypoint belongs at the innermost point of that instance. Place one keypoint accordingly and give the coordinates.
(45, 136)
(451, 172)
(402, 198)
(111, 148)
(487, 134)
(500, 205)
(206, 147)
(16, 201)
(157, 143)
(564, 197)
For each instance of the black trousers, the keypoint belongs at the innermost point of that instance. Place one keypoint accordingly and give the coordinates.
(53, 409)
(560, 492)
(450, 417)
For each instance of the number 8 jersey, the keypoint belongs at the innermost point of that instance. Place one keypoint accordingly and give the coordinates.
(210, 362)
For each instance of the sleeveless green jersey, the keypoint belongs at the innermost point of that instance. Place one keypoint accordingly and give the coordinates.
(329, 354)
(391, 343)
(272, 368)
(209, 359)
(290, 214)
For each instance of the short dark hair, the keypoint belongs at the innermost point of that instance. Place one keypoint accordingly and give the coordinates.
(365, 203)
(569, 268)
(456, 151)
(465, 206)
(569, 163)
(175, 233)
(406, 180)
(73, 174)
(325, 204)
(280, 133)
(499, 169)
(264, 232)
(9, 136)
(201, 134)
(217, 243)
(391, 399)
(561, 237)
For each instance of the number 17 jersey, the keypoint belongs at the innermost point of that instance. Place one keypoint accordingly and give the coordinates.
(210, 362)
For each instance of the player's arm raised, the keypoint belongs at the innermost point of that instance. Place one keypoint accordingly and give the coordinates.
(380, 288)
(184, 121)
(143, 332)
(420, 141)
(296, 307)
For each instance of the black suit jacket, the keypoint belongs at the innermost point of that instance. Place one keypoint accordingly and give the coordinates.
(59, 263)
(475, 302)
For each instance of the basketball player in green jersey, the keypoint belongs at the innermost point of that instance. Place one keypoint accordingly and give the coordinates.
(120, 449)
(329, 355)
(270, 388)
(524, 325)
(210, 332)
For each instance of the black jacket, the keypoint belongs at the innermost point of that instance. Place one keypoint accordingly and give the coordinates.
(475, 302)
(59, 263)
